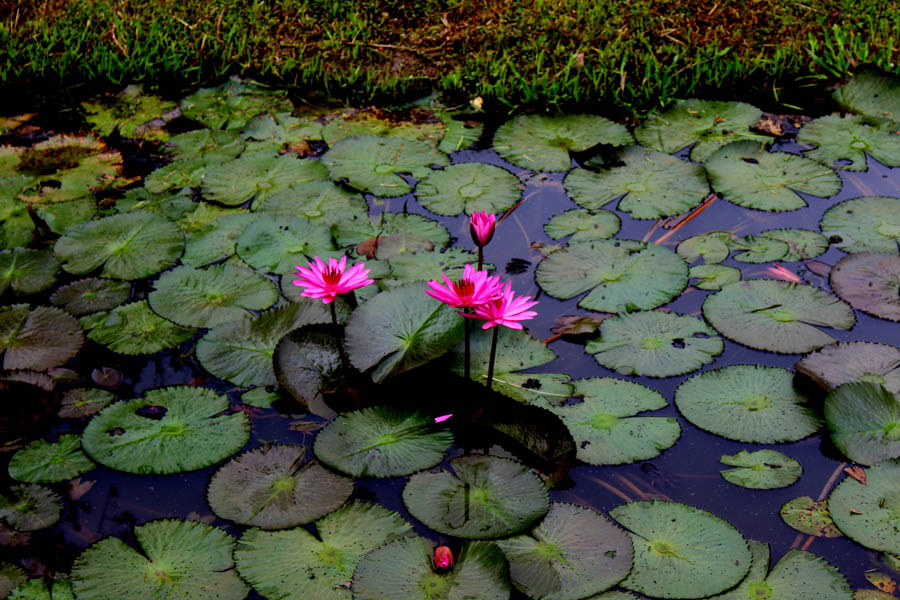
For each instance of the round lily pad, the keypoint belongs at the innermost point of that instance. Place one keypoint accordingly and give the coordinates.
(277, 129)
(11, 577)
(382, 442)
(232, 104)
(681, 551)
(810, 517)
(873, 94)
(623, 275)
(650, 184)
(372, 164)
(712, 246)
(746, 174)
(318, 201)
(172, 559)
(761, 470)
(44, 462)
(802, 244)
(583, 225)
(83, 402)
(127, 246)
(29, 507)
(216, 295)
(361, 228)
(37, 339)
(747, 403)
(277, 244)
(543, 143)
(271, 487)
(655, 344)
(864, 419)
(402, 570)
(870, 283)
(91, 295)
(604, 425)
(256, 175)
(307, 361)
(209, 146)
(27, 271)
(135, 329)
(572, 553)
(843, 142)
(169, 430)
(468, 187)
(713, 277)
(482, 497)
(868, 513)
(216, 241)
(853, 361)
(295, 565)
(758, 249)
(706, 124)
(776, 316)
(867, 224)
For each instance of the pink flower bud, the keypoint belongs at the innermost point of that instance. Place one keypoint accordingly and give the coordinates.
(443, 558)
(481, 226)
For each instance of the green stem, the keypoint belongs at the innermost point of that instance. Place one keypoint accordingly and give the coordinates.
(337, 337)
(490, 375)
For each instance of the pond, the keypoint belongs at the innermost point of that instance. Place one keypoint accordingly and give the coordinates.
(183, 388)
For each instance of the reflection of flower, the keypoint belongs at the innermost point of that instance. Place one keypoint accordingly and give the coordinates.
(326, 282)
(506, 310)
(475, 288)
(481, 226)
(443, 558)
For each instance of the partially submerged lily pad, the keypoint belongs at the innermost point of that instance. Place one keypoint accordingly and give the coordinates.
(810, 517)
(761, 470)
(135, 329)
(870, 283)
(83, 402)
(583, 225)
(867, 224)
(713, 277)
(418, 124)
(45, 462)
(91, 295)
(459, 133)
(864, 419)
(37, 339)
(29, 507)
(868, 513)
(853, 361)
(27, 271)
(843, 142)
(468, 187)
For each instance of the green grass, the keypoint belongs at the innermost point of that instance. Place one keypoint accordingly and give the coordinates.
(515, 54)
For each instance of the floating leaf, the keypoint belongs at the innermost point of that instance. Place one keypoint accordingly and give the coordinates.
(867, 513)
(853, 361)
(714, 277)
(747, 403)
(864, 419)
(843, 142)
(318, 201)
(458, 133)
(483, 497)
(713, 247)
(62, 217)
(655, 344)
(16, 226)
(761, 470)
(539, 389)
(278, 129)
(307, 361)
(134, 329)
(232, 104)
(872, 94)
(681, 551)
(423, 266)
(83, 402)
(802, 243)
(359, 229)
(216, 241)
(870, 283)
(91, 295)
(810, 517)
(37, 339)
(416, 124)
(176, 176)
(867, 224)
(30, 507)
(45, 462)
(758, 249)
(261, 397)
(126, 111)
(516, 351)
(27, 271)
(468, 187)
(583, 225)
(257, 175)
(776, 316)
(205, 146)
(37, 589)
(11, 577)
(277, 244)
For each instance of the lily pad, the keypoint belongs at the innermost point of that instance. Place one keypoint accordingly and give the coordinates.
(868, 513)
(747, 403)
(655, 344)
(423, 266)
(362, 228)
(382, 442)
(746, 174)
(543, 143)
(307, 361)
(706, 124)
(713, 247)
(539, 389)
(83, 402)
(516, 351)
(872, 94)
(843, 142)
(232, 104)
(172, 559)
(623, 275)
(870, 283)
(758, 249)
(458, 132)
(126, 112)
(277, 244)
(713, 277)
(11, 577)
(810, 517)
(27, 271)
(37, 339)
(468, 187)
(853, 361)
(761, 470)
(205, 146)
(867, 224)
(864, 419)
(651, 184)
(277, 129)
(416, 124)
(62, 217)
(169, 430)
(583, 225)
(803, 244)
(681, 551)
(217, 241)
(483, 497)
(38, 589)
(30, 507)
(372, 164)
(318, 201)
(91, 295)
(604, 425)
(572, 553)
(271, 487)
(45, 462)
(127, 246)
(16, 226)
(176, 176)
(776, 316)
(134, 329)
(257, 175)
(219, 294)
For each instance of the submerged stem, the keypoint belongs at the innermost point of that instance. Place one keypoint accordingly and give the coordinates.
(490, 375)
(337, 337)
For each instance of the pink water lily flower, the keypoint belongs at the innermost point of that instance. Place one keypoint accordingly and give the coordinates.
(326, 282)
(475, 288)
(481, 226)
(507, 310)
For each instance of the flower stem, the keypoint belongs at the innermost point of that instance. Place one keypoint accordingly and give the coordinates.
(480, 257)
(337, 337)
(468, 352)
(490, 375)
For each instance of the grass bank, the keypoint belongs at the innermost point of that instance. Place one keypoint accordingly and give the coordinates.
(515, 54)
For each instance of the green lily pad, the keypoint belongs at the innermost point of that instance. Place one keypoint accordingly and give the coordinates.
(651, 184)
(706, 124)
(543, 143)
(232, 104)
(867, 224)
(362, 228)
(746, 174)
(295, 565)
(45, 462)
(91, 295)
(134, 329)
(713, 247)
(83, 402)
(681, 551)
(713, 277)
(402, 570)
(37, 589)
(864, 419)
(803, 244)
(172, 204)
(382, 442)
(127, 246)
(205, 146)
(271, 487)
(318, 201)
(62, 217)
(171, 559)
(399, 330)
(872, 94)
(872, 595)
(655, 344)
(169, 430)
(870, 283)
(776, 316)
(219, 294)
(16, 226)
(278, 244)
(810, 517)
(516, 351)
(539, 389)
(747, 403)
(469, 187)
(176, 176)
(572, 553)
(458, 133)
(37, 339)
(257, 175)
(758, 249)
(483, 497)
(27, 271)
(372, 164)
(868, 513)
(11, 577)
(583, 225)
(307, 362)
(217, 241)
(278, 129)
(604, 425)
(126, 112)
(261, 397)
(419, 125)
(623, 275)
(853, 361)
(423, 266)
(843, 142)
(29, 507)
(761, 470)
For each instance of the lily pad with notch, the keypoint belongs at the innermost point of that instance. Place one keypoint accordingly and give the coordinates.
(37, 339)
(803, 244)
(844, 362)
(713, 277)
(761, 470)
(276, 129)
(583, 225)
(517, 350)
(27, 271)
(307, 363)
(810, 517)
(758, 249)
(873, 94)
(126, 111)
(257, 175)
(276, 244)
(216, 241)
(46, 462)
(83, 402)
(864, 419)
(468, 187)
(459, 133)
(361, 228)
(29, 507)
(866, 224)
(867, 513)
(232, 104)
(713, 247)
(171, 204)
(205, 146)
(870, 283)
(135, 329)
(425, 265)
(844, 142)
(62, 217)
(318, 201)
